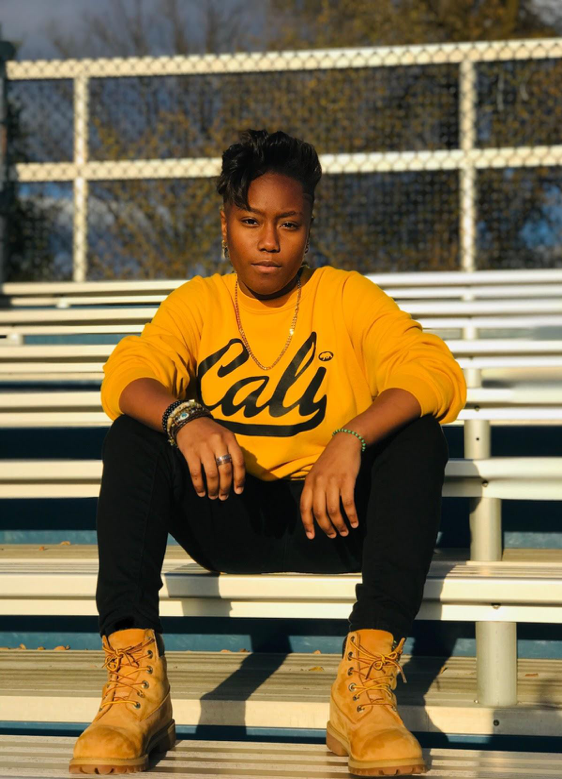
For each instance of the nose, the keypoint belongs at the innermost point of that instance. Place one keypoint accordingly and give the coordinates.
(268, 238)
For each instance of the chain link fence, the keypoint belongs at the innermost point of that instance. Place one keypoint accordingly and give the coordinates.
(435, 157)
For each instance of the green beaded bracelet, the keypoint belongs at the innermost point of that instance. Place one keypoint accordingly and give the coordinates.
(345, 430)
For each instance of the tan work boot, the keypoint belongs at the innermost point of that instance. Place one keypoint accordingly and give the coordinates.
(364, 722)
(135, 716)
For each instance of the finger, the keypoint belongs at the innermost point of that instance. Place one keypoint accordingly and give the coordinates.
(196, 473)
(306, 511)
(211, 472)
(319, 510)
(238, 466)
(333, 506)
(348, 500)
(224, 469)
(225, 477)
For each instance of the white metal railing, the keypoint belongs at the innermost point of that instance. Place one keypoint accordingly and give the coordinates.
(466, 159)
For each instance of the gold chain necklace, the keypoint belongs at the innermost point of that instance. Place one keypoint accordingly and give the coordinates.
(245, 340)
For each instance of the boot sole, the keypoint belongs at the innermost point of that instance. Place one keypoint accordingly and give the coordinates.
(160, 742)
(337, 744)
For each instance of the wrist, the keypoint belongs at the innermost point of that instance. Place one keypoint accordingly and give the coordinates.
(346, 434)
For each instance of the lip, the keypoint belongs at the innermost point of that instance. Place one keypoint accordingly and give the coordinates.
(266, 268)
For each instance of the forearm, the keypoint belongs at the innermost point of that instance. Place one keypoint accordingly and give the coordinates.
(390, 410)
(146, 400)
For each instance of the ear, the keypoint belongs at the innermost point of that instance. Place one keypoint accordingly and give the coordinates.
(223, 222)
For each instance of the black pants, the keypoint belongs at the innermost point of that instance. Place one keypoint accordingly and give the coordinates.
(146, 491)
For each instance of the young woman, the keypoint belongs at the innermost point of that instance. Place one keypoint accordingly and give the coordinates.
(275, 418)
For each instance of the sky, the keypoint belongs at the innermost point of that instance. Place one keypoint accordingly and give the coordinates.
(25, 20)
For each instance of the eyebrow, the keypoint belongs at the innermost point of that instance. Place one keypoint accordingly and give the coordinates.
(285, 213)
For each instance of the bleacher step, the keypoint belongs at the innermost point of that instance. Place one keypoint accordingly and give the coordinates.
(280, 690)
(48, 756)
(26, 553)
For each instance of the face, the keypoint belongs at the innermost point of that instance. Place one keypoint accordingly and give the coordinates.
(274, 230)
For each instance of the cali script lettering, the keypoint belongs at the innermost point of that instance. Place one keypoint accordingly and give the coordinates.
(249, 393)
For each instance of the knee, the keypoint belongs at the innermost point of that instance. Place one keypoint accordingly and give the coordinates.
(429, 437)
(126, 431)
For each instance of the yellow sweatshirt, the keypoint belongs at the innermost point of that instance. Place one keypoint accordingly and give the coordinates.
(351, 342)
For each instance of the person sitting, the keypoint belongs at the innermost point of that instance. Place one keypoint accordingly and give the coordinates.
(311, 406)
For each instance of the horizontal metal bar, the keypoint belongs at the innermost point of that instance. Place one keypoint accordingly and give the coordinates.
(306, 59)
(332, 164)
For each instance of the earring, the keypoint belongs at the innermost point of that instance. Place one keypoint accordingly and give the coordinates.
(224, 250)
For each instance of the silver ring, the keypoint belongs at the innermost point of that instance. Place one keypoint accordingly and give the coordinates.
(224, 458)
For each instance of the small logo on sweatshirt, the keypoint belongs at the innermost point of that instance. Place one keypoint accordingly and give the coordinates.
(325, 356)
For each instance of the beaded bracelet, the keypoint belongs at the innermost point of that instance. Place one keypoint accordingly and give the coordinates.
(183, 419)
(167, 413)
(345, 430)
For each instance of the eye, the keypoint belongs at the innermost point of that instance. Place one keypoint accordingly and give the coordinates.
(291, 224)
(248, 219)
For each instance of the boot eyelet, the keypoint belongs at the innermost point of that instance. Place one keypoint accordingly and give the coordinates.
(352, 639)
(350, 671)
(351, 686)
(150, 653)
(354, 697)
(145, 684)
(360, 708)
(137, 705)
(349, 655)
(149, 669)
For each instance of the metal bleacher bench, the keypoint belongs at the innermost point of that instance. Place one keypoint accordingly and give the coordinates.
(200, 759)
(493, 587)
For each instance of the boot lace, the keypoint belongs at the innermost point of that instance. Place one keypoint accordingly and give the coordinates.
(377, 662)
(116, 663)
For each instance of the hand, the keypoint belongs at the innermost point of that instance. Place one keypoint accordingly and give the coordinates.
(332, 476)
(201, 441)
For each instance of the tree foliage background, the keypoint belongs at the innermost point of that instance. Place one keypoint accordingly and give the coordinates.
(371, 222)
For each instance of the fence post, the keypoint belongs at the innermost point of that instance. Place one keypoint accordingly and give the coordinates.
(467, 129)
(81, 184)
(7, 51)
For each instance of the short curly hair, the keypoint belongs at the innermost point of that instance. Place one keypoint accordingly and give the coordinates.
(259, 152)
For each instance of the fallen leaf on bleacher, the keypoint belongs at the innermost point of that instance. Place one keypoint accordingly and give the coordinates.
(225, 650)
(4, 647)
(40, 647)
(317, 652)
(22, 646)
(61, 647)
(243, 650)
(65, 543)
(42, 548)
(531, 674)
(316, 668)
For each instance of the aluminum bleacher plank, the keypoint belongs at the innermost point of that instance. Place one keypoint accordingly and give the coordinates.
(48, 756)
(516, 478)
(281, 691)
(454, 590)
(28, 552)
(438, 325)
(95, 296)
